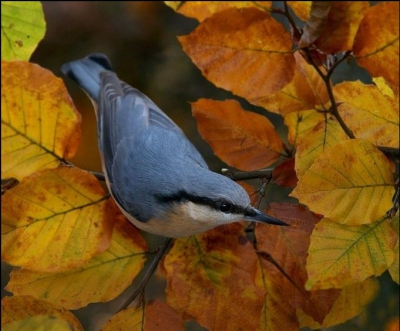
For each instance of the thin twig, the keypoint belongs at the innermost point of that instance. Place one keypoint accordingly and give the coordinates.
(142, 285)
(246, 175)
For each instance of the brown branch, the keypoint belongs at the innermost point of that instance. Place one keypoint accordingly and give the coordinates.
(247, 175)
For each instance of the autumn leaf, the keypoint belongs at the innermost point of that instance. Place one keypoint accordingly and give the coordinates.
(201, 10)
(305, 91)
(300, 123)
(23, 307)
(379, 52)
(394, 268)
(284, 174)
(302, 9)
(22, 28)
(55, 220)
(39, 123)
(130, 319)
(342, 23)
(288, 247)
(210, 277)
(242, 50)
(341, 255)
(104, 278)
(345, 307)
(243, 139)
(38, 323)
(324, 135)
(355, 188)
(369, 113)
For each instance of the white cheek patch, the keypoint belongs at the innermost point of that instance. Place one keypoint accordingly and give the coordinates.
(205, 214)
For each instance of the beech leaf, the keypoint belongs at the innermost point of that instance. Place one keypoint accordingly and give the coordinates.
(39, 123)
(38, 323)
(394, 268)
(351, 182)
(243, 139)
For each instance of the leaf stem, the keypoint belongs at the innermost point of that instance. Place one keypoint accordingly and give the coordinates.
(149, 273)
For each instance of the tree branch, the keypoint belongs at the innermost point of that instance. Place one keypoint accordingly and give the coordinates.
(246, 175)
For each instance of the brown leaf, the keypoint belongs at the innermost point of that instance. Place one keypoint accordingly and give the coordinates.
(242, 139)
(376, 45)
(200, 10)
(211, 278)
(242, 50)
(161, 317)
(284, 174)
(288, 248)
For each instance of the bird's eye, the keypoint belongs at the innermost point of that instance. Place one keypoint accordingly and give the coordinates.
(225, 206)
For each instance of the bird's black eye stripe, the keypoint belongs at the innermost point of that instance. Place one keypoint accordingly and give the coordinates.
(220, 205)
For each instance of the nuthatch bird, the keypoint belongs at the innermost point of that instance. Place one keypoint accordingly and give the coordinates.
(157, 177)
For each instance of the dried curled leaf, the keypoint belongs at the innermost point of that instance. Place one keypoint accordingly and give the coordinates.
(39, 123)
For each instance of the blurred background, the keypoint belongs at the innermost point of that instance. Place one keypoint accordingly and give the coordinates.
(140, 39)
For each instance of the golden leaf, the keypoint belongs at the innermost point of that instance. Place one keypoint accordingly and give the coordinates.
(39, 123)
(210, 277)
(324, 135)
(306, 91)
(38, 323)
(22, 28)
(341, 255)
(243, 139)
(300, 123)
(201, 10)
(105, 277)
(23, 307)
(130, 319)
(351, 302)
(394, 268)
(379, 52)
(301, 9)
(242, 50)
(351, 182)
(55, 220)
(369, 113)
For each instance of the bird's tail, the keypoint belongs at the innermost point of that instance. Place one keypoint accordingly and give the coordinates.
(86, 72)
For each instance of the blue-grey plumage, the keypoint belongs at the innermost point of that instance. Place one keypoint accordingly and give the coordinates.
(157, 177)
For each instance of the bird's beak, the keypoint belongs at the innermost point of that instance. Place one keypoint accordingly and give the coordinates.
(253, 214)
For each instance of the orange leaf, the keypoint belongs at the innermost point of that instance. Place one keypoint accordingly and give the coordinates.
(300, 123)
(341, 255)
(288, 248)
(200, 10)
(301, 9)
(22, 307)
(369, 113)
(159, 316)
(243, 139)
(341, 27)
(305, 91)
(55, 220)
(242, 50)
(351, 182)
(104, 278)
(351, 302)
(210, 277)
(284, 174)
(324, 135)
(376, 45)
(39, 123)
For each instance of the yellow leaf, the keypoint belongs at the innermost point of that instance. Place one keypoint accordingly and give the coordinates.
(382, 85)
(22, 27)
(369, 113)
(55, 220)
(307, 90)
(379, 52)
(345, 307)
(38, 323)
(324, 135)
(130, 319)
(301, 9)
(300, 123)
(39, 123)
(104, 278)
(341, 26)
(341, 255)
(243, 139)
(351, 182)
(23, 307)
(210, 277)
(394, 268)
(242, 50)
(201, 10)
